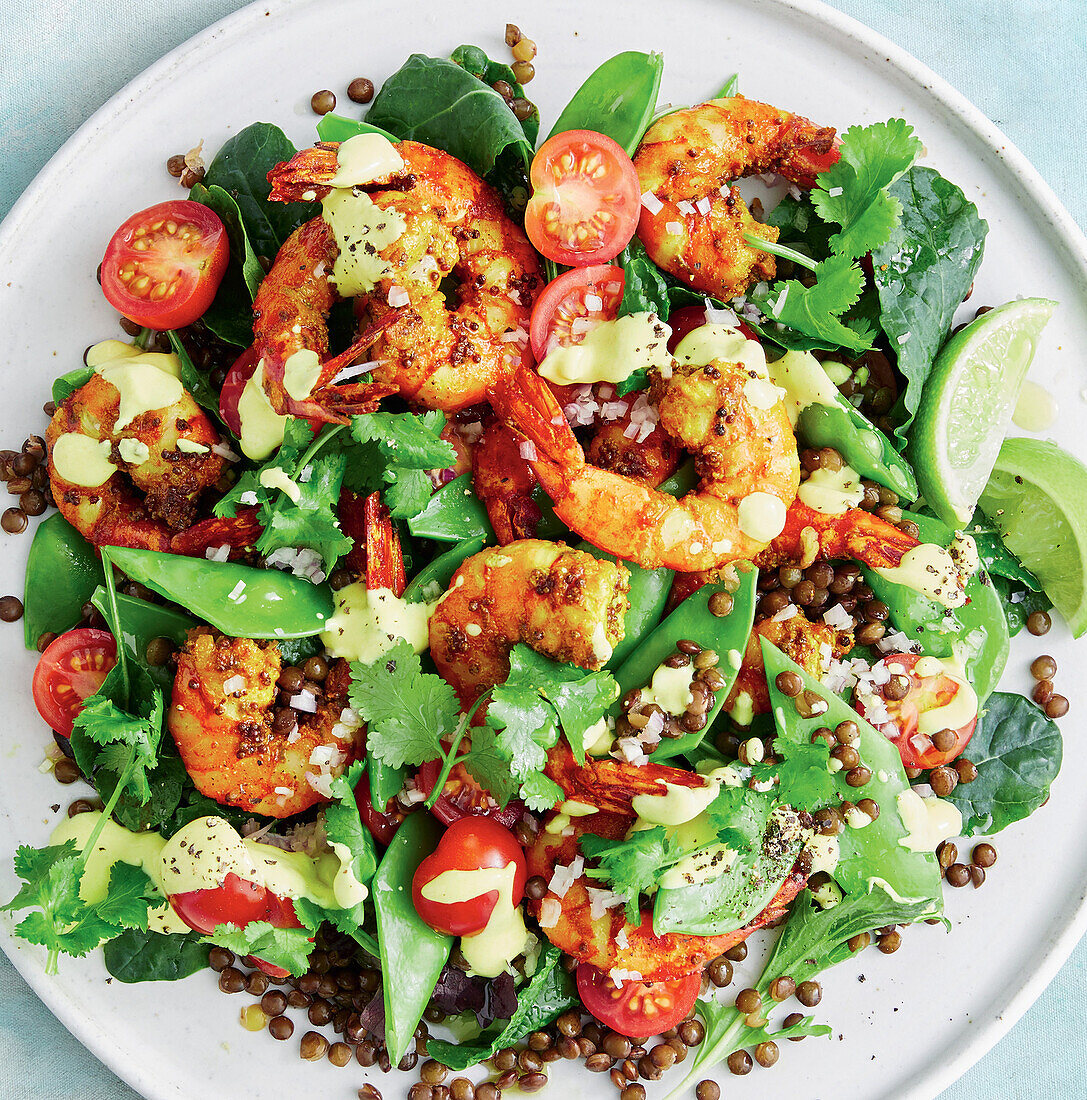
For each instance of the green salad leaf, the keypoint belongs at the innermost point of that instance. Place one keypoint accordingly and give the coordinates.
(137, 955)
(1017, 751)
(482, 67)
(289, 948)
(343, 823)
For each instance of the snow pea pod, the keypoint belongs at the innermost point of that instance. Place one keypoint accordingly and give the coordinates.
(436, 576)
(412, 953)
(142, 621)
(648, 594)
(61, 573)
(976, 633)
(727, 635)
(873, 855)
(617, 99)
(237, 599)
(68, 383)
(454, 513)
(333, 127)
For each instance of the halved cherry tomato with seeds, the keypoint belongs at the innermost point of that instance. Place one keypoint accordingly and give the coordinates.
(573, 304)
(164, 265)
(462, 796)
(469, 844)
(586, 198)
(637, 1009)
(71, 669)
(925, 692)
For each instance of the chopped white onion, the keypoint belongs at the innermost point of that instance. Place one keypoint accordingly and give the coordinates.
(652, 203)
(527, 450)
(398, 296)
(233, 684)
(306, 702)
(218, 553)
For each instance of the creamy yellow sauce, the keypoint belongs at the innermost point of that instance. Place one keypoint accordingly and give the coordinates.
(670, 689)
(134, 451)
(598, 738)
(611, 351)
(142, 385)
(365, 158)
(262, 427)
(805, 382)
(80, 460)
(825, 851)
(761, 516)
(361, 229)
(743, 709)
(191, 447)
(963, 706)
(277, 478)
(936, 572)
(928, 821)
(489, 952)
(676, 804)
(716, 343)
(300, 373)
(832, 492)
(367, 623)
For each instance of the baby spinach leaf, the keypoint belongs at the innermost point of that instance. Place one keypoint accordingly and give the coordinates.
(617, 99)
(241, 169)
(1019, 603)
(476, 61)
(644, 287)
(198, 383)
(546, 997)
(923, 272)
(137, 955)
(67, 384)
(436, 102)
(242, 254)
(1017, 751)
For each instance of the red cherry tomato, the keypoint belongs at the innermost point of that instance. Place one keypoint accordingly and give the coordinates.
(243, 369)
(164, 265)
(687, 318)
(926, 693)
(637, 1009)
(462, 796)
(469, 844)
(586, 199)
(237, 901)
(382, 823)
(569, 306)
(71, 668)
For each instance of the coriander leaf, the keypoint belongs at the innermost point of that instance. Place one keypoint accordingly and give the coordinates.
(128, 897)
(343, 824)
(289, 948)
(489, 765)
(853, 191)
(800, 227)
(541, 793)
(525, 725)
(813, 311)
(408, 711)
(805, 781)
(632, 865)
(407, 491)
(1017, 751)
(923, 272)
(407, 439)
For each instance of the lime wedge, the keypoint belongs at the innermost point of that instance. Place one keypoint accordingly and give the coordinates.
(1035, 498)
(968, 401)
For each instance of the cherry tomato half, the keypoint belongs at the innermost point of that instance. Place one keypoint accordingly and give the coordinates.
(469, 844)
(569, 306)
(925, 694)
(243, 369)
(236, 901)
(71, 668)
(586, 198)
(164, 265)
(462, 796)
(687, 318)
(637, 1009)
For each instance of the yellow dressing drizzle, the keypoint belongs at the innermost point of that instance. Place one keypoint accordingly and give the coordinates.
(262, 427)
(365, 158)
(611, 352)
(369, 622)
(80, 460)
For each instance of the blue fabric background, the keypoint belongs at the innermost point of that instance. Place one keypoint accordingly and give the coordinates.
(1023, 62)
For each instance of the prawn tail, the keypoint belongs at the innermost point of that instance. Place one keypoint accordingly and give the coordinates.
(527, 404)
(814, 150)
(857, 534)
(305, 177)
(384, 558)
(239, 533)
(504, 480)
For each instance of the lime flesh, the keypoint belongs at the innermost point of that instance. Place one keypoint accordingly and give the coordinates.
(1036, 497)
(968, 402)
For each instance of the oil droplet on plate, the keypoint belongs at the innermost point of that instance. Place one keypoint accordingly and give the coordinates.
(1036, 408)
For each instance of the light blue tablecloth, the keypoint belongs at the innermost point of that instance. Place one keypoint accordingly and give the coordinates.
(1023, 62)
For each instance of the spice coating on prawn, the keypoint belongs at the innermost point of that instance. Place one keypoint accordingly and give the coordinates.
(442, 355)
(562, 602)
(226, 738)
(741, 448)
(692, 157)
(145, 504)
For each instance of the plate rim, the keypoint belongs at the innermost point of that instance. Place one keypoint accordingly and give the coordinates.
(1001, 1015)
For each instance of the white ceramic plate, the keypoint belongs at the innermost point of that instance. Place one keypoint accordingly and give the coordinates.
(905, 1025)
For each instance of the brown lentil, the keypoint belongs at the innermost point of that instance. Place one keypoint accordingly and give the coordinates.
(977, 875)
(1056, 706)
(11, 609)
(80, 806)
(720, 604)
(488, 1091)
(66, 771)
(870, 807)
(1043, 667)
(748, 1001)
(692, 1032)
(782, 988)
(858, 776)
(523, 71)
(859, 942)
(983, 855)
(809, 993)
(633, 1092)
(766, 1054)
(323, 101)
(1043, 690)
(889, 943)
(792, 1020)
(720, 972)
(312, 1047)
(360, 90)
(529, 1061)
(461, 1088)
(14, 520)
(532, 1082)
(965, 770)
(280, 1027)
(739, 1063)
(958, 875)
(1039, 623)
(946, 854)
(737, 953)
(598, 1063)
